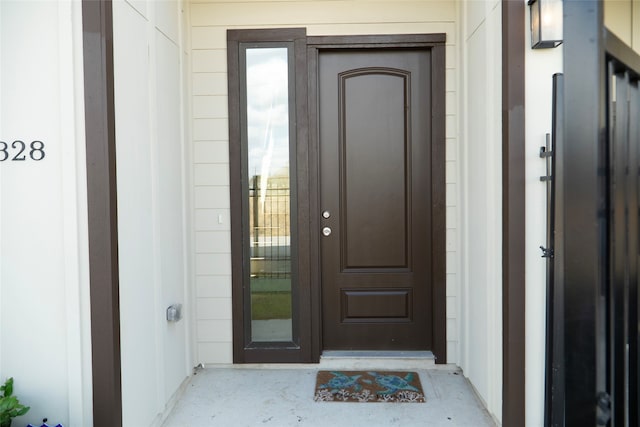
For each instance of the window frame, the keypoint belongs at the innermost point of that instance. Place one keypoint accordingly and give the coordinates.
(244, 349)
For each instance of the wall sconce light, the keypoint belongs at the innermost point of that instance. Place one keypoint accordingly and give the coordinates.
(546, 23)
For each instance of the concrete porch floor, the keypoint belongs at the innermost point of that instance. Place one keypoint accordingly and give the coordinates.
(280, 396)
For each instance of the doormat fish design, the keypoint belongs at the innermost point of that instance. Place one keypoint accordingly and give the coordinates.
(368, 386)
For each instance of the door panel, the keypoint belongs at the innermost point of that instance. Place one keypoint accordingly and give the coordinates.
(373, 122)
(375, 148)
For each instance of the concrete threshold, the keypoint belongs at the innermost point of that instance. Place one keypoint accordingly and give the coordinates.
(389, 360)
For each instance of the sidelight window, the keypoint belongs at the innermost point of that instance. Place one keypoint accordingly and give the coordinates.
(267, 121)
(268, 192)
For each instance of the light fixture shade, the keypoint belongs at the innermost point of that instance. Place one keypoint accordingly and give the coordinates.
(546, 23)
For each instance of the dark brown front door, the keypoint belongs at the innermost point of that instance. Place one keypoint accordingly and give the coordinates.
(375, 134)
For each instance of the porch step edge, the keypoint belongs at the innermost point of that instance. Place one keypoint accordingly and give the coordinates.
(356, 360)
(329, 354)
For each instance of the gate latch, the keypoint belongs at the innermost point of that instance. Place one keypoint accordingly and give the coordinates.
(546, 252)
(603, 408)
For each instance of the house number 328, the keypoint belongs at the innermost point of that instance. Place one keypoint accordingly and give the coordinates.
(19, 151)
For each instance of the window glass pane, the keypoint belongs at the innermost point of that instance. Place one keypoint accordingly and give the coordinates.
(269, 193)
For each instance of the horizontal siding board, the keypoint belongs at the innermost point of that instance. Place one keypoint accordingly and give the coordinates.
(211, 173)
(452, 240)
(214, 106)
(450, 56)
(452, 193)
(452, 149)
(213, 308)
(209, 61)
(451, 103)
(211, 151)
(452, 351)
(212, 196)
(213, 286)
(452, 285)
(452, 217)
(415, 26)
(452, 329)
(210, 84)
(337, 12)
(211, 130)
(452, 307)
(636, 27)
(209, 264)
(210, 37)
(207, 220)
(213, 242)
(450, 79)
(215, 352)
(214, 37)
(452, 260)
(451, 126)
(216, 330)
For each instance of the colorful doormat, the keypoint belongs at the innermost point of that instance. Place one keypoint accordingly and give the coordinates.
(368, 386)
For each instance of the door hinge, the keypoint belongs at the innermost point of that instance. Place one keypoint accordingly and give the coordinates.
(603, 408)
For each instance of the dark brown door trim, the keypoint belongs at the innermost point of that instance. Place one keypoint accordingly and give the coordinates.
(435, 42)
(377, 41)
(245, 351)
(97, 23)
(513, 213)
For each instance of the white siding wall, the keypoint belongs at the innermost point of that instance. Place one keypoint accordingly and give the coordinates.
(622, 17)
(210, 20)
(481, 200)
(149, 94)
(44, 303)
(541, 64)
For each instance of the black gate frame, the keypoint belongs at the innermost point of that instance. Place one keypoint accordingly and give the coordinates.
(623, 115)
(596, 228)
(580, 224)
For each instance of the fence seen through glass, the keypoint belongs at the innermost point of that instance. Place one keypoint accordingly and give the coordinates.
(269, 193)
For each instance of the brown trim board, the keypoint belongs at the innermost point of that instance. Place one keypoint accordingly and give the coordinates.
(97, 34)
(513, 212)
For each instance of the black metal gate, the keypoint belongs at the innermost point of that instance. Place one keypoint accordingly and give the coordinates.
(592, 364)
(554, 359)
(623, 114)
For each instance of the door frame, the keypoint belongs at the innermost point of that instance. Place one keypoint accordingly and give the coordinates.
(244, 350)
(435, 43)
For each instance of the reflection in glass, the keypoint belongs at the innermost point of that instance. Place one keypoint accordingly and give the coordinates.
(269, 193)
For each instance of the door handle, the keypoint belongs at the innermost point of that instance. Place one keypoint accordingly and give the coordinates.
(326, 231)
(326, 214)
